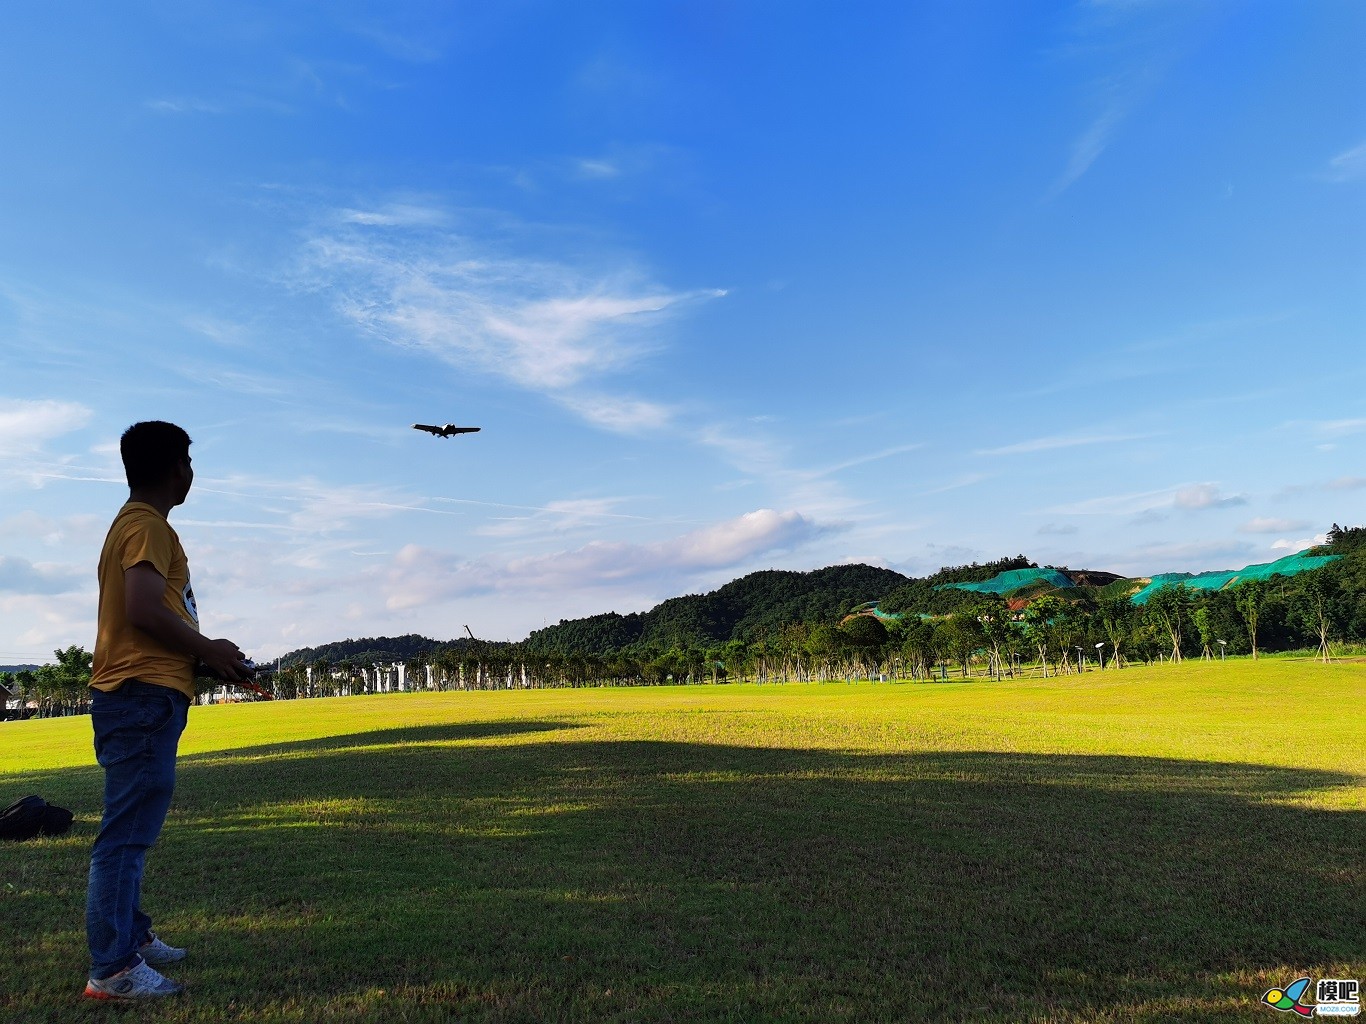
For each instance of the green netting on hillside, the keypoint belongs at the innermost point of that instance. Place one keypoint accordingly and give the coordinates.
(1219, 579)
(1013, 579)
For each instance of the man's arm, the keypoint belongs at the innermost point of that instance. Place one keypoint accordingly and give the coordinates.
(143, 592)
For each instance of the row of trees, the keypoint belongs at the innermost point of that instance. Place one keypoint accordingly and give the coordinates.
(1050, 636)
(1054, 633)
(55, 689)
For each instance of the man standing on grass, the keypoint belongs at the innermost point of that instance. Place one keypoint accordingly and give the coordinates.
(142, 681)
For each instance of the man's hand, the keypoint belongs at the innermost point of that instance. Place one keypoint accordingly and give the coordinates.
(225, 661)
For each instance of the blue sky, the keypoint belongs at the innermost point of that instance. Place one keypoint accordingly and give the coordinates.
(728, 286)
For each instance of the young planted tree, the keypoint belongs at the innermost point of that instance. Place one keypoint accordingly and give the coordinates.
(961, 636)
(1249, 597)
(1170, 607)
(65, 684)
(1204, 626)
(1116, 622)
(997, 627)
(866, 637)
(1038, 624)
(1319, 588)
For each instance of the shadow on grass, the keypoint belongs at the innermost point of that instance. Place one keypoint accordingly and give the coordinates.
(668, 881)
(417, 735)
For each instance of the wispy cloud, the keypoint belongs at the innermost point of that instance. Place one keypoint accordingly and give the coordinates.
(420, 575)
(1135, 58)
(1190, 497)
(620, 414)
(1342, 483)
(1202, 496)
(20, 576)
(1285, 544)
(27, 423)
(597, 169)
(1261, 525)
(1044, 444)
(958, 482)
(394, 215)
(540, 325)
(182, 105)
(1349, 165)
(861, 460)
(1088, 147)
(559, 517)
(1342, 428)
(1058, 529)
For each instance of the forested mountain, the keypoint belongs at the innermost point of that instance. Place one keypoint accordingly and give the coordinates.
(741, 610)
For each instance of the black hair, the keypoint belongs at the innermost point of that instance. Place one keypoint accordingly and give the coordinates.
(151, 452)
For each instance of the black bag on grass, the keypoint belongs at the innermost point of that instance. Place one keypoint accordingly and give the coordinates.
(31, 816)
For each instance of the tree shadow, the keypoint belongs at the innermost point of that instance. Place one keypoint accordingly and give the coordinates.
(681, 881)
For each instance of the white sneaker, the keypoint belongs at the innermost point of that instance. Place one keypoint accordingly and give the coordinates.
(140, 982)
(156, 952)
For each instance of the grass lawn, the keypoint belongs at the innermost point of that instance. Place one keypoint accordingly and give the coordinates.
(1159, 844)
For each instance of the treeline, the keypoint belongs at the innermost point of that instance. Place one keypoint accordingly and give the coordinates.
(712, 640)
(60, 688)
(773, 627)
(368, 649)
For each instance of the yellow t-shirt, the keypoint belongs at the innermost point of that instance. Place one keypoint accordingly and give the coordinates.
(122, 651)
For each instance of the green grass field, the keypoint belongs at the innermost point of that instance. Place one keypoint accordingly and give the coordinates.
(1150, 845)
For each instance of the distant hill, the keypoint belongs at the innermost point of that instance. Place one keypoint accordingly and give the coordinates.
(749, 607)
(368, 649)
(17, 668)
(740, 610)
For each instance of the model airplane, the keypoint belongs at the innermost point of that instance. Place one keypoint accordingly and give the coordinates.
(445, 431)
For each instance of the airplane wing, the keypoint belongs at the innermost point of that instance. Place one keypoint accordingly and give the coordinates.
(451, 428)
(429, 428)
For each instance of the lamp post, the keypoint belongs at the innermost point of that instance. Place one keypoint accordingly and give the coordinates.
(1223, 647)
(1080, 659)
(1100, 654)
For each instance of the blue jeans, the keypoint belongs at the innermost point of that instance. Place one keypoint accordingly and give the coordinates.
(137, 730)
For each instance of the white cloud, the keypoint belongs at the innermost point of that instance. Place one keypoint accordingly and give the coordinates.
(183, 105)
(598, 169)
(958, 482)
(397, 215)
(1192, 497)
(619, 414)
(543, 326)
(860, 460)
(1058, 530)
(1202, 496)
(1292, 546)
(1260, 525)
(20, 576)
(1341, 428)
(1348, 165)
(418, 575)
(558, 517)
(26, 424)
(1088, 148)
